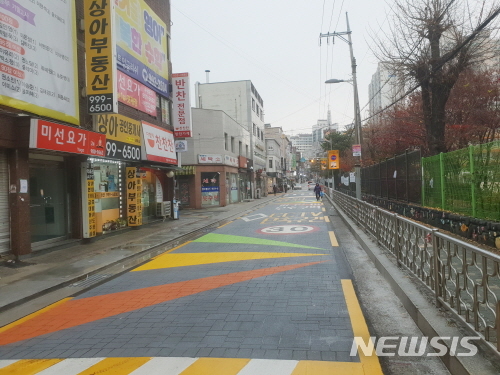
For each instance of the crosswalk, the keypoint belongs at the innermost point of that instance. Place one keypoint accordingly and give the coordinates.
(175, 366)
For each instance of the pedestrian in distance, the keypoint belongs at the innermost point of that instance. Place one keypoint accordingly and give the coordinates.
(317, 191)
(275, 189)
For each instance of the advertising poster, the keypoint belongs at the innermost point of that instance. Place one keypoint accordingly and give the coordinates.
(141, 45)
(182, 105)
(210, 188)
(38, 58)
(136, 95)
(134, 197)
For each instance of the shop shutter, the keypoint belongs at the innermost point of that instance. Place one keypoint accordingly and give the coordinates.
(4, 204)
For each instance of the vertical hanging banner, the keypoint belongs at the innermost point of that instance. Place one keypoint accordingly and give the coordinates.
(134, 198)
(182, 105)
(88, 201)
(323, 163)
(101, 85)
(333, 159)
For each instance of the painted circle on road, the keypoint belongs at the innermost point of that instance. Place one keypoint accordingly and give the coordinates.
(288, 229)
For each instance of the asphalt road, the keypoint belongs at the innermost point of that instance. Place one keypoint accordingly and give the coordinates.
(272, 292)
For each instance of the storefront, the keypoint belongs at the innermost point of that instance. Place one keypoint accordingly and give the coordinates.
(210, 188)
(4, 204)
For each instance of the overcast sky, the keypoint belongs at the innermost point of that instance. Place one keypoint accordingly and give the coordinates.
(275, 44)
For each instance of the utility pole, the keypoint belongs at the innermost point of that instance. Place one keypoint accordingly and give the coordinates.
(357, 115)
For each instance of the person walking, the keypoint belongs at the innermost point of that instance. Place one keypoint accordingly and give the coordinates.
(317, 190)
(275, 189)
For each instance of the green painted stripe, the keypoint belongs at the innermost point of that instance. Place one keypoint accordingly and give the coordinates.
(228, 238)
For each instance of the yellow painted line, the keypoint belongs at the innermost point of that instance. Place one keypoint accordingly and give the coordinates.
(31, 316)
(323, 209)
(327, 219)
(169, 251)
(116, 366)
(28, 366)
(333, 239)
(223, 225)
(194, 259)
(216, 366)
(371, 364)
(328, 368)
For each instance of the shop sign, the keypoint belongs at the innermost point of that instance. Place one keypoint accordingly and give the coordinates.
(141, 49)
(136, 95)
(123, 136)
(181, 146)
(88, 201)
(333, 159)
(242, 162)
(209, 159)
(51, 136)
(182, 106)
(134, 197)
(158, 144)
(231, 160)
(100, 57)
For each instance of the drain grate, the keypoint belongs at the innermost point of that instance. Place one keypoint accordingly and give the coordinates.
(89, 280)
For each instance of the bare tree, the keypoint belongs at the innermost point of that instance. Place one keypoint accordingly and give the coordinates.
(430, 42)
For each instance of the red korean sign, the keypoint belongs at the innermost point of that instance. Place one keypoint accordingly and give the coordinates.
(181, 105)
(158, 144)
(136, 95)
(56, 137)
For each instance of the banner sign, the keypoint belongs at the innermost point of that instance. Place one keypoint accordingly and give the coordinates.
(136, 95)
(333, 159)
(142, 45)
(356, 150)
(209, 159)
(88, 201)
(101, 89)
(38, 62)
(134, 197)
(158, 144)
(123, 136)
(323, 162)
(231, 160)
(182, 105)
(56, 137)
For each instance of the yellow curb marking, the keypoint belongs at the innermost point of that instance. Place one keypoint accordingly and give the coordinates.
(116, 366)
(333, 239)
(28, 366)
(169, 251)
(216, 366)
(223, 225)
(327, 219)
(371, 364)
(328, 368)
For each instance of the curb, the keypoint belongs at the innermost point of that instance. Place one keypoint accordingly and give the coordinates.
(421, 311)
(132, 260)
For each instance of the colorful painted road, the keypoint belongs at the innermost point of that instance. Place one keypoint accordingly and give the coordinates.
(268, 293)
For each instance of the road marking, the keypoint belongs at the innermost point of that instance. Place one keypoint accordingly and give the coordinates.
(329, 368)
(253, 217)
(230, 238)
(31, 316)
(169, 251)
(268, 367)
(323, 209)
(163, 366)
(333, 239)
(371, 364)
(116, 366)
(196, 259)
(223, 225)
(216, 366)
(71, 366)
(327, 219)
(288, 229)
(28, 366)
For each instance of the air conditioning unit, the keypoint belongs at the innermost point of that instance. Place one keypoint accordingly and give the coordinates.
(163, 209)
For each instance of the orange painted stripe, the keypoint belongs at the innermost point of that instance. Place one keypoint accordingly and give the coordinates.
(86, 310)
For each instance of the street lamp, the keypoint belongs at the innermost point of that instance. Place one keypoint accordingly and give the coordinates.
(357, 115)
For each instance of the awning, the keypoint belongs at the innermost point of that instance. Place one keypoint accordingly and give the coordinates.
(186, 170)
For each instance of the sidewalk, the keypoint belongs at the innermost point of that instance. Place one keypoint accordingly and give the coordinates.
(80, 266)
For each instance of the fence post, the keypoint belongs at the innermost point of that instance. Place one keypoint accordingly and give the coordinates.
(473, 180)
(397, 248)
(441, 173)
(407, 177)
(437, 278)
(395, 178)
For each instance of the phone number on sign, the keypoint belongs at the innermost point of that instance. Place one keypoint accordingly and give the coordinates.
(118, 150)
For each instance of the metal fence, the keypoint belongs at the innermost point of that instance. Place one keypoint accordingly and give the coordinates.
(465, 181)
(398, 178)
(464, 278)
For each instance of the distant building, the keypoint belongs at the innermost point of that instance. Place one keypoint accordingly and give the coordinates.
(383, 89)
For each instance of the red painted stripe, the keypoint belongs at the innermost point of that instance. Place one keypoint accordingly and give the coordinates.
(86, 310)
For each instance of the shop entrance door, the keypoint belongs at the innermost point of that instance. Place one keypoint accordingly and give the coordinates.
(48, 202)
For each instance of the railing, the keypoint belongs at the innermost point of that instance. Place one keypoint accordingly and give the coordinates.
(464, 278)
